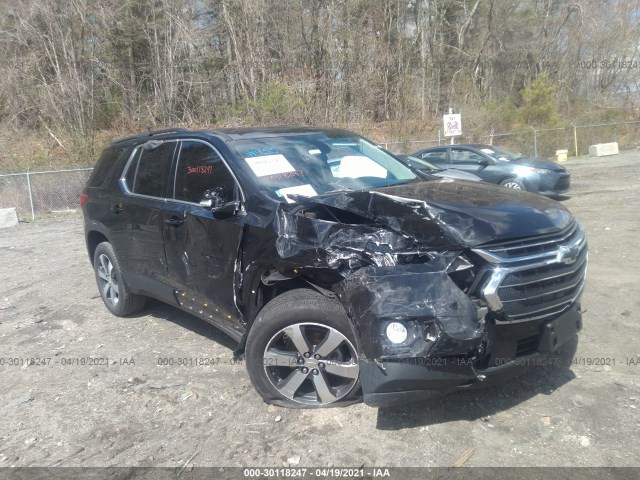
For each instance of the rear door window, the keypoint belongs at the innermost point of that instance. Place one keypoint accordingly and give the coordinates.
(461, 156)
(435, 156)
(151, 169)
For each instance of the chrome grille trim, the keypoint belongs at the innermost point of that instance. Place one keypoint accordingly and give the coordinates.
(568, 287)
(565, 303)
(551, 277)
(546, 258)
(519, 244)
(565, 247)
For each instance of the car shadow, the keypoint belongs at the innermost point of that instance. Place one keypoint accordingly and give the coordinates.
(164, 311)
(480, 404)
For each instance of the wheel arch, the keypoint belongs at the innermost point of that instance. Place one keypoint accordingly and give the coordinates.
(256, 293)
(94, 238)
(508, 176)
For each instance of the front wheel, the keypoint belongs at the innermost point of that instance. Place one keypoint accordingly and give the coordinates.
(301, 352)
(513, 184)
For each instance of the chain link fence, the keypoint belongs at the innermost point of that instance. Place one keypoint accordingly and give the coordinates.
(36, 193)
(576, 139)
(539, 142)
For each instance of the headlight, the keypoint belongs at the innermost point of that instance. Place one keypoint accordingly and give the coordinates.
(523, 171)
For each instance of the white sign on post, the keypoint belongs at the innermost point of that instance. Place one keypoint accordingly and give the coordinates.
(452, 125)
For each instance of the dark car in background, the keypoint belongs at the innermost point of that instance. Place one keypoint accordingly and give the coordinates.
(502, 167)
(428, 168)
(340, 272)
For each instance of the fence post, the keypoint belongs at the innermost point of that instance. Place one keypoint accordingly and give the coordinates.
(491, 137)
(439, 137)
(575, 139)
(33, 213)
(535, 142)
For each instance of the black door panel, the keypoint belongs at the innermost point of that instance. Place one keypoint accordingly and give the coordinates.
(202, 255)
(145, 253)
(137, 213)
(202, 250)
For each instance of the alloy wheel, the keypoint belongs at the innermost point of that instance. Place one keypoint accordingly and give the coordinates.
(109, 286)
(513, 185)
(312, 364)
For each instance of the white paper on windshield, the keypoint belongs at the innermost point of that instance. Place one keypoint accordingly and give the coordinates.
(269, 165)
(356, 166)
(486, 150)
(304, 190)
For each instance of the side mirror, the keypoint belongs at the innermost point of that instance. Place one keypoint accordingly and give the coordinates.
(215, 201)
(213, 198)
(484, 162)
(229, 208)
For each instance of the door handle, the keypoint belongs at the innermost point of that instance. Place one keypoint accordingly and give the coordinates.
(116, 208)
(174, 222)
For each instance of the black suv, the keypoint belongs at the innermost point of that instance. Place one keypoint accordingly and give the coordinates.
(339, 271)
(502, 167)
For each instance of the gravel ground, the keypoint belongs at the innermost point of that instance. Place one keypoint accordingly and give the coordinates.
(128, 410)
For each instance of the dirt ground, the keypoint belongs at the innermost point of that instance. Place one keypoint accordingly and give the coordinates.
(129, 410)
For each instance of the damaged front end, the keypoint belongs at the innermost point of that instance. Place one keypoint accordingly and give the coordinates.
(415, 292)
(401, 269)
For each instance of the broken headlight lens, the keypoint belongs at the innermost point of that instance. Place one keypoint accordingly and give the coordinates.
(462, 273)
(388, 259)
(459, 264)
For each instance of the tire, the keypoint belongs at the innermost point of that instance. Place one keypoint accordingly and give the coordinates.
(513, 184)
(298, 320)
(114, 292)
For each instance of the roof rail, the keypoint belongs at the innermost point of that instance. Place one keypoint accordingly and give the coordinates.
(151, 134)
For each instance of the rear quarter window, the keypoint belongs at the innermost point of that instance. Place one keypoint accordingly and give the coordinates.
(105, 169)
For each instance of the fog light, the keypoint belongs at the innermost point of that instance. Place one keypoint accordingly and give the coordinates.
(396, 332)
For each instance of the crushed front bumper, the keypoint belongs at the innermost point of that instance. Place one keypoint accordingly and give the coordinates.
(514, 348)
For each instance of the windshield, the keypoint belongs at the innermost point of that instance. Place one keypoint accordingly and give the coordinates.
(501, 153)
(316, 163)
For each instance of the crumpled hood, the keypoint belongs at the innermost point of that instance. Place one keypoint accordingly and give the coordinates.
(452, 214)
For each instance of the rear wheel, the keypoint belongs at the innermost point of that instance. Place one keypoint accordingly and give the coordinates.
(301, 351)
(114, 292)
